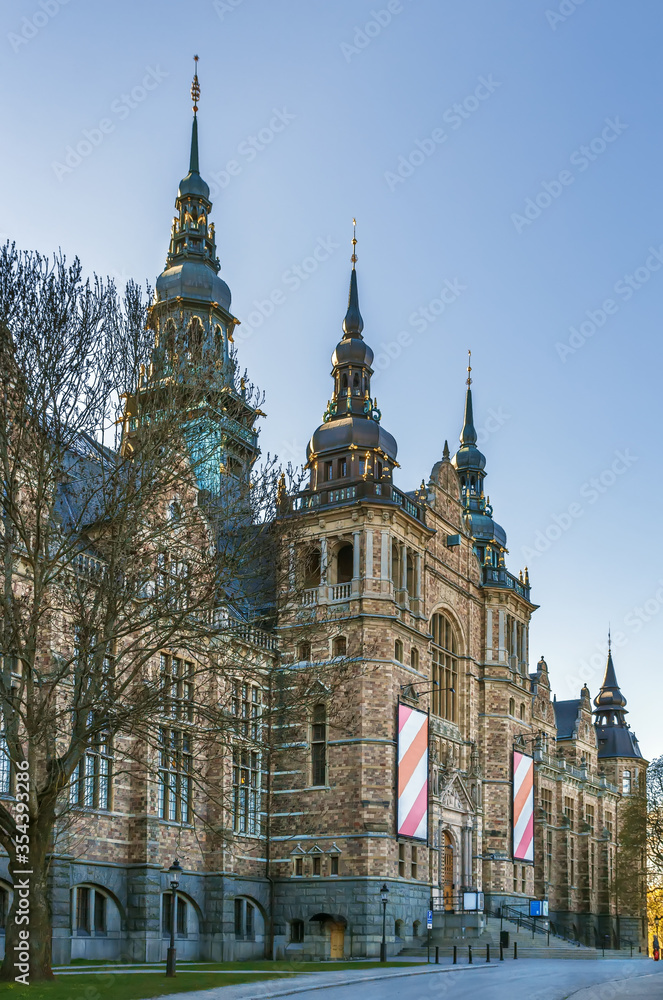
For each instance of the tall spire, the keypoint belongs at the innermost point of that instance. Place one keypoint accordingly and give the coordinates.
(614, 735)
(353, 324)
(195, 97)
(468, 435)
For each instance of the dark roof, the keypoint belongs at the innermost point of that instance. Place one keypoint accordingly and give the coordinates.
(617, 741)
(566, 714)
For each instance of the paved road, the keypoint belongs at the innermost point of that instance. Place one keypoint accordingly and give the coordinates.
(533, 979)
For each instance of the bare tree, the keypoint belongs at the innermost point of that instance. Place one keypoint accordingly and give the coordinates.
(111, 551)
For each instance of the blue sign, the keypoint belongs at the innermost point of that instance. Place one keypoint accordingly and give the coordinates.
(538, 908)
(429, 920)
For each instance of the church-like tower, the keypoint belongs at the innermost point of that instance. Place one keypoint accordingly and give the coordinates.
(351, 445)
(193, 337)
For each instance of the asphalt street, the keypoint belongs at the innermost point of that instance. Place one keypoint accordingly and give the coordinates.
(533, 979)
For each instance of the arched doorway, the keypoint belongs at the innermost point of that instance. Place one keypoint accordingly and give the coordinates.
(448, 872)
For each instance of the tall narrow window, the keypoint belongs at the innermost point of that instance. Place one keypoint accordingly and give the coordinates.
(333, 864)
(413, 862)
(176, 678)
(444, 667)
(626, 783)
(401, 860)
(181, 916)
(414, 658)
(83, 910)
(99, 913)
(90, 785)
(246, 706)
(247, 789)
(5, 763)
(398, 650)
(339, 646)
(319, 746)
(175, 775)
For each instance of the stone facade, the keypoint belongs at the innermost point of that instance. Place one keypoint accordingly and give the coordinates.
(417, 592)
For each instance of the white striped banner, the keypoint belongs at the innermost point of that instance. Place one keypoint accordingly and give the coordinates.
(412, 818)
(523, 807)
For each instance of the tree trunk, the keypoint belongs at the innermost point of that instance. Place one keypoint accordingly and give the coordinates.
(29, 923)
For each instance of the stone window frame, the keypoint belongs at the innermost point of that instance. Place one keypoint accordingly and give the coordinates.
(445, 657)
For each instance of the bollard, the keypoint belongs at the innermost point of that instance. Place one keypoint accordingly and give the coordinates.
(469, 948)
(515, 949)
(501, 952)
(437, 954)
(455, 954)
(488, 953)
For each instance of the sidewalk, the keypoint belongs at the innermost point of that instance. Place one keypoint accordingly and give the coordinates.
(318, 981)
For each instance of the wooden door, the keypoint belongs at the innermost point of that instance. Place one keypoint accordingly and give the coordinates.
(337, 941)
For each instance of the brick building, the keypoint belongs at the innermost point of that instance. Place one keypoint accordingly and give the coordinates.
(418, 594)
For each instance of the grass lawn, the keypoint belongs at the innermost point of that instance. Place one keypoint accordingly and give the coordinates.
(119, 985)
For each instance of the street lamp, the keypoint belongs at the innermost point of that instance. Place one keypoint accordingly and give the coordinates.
(384, 895)
(174, 870)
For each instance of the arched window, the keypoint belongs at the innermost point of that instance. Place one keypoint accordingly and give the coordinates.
(398, 650)
(181, 916)
(626, 782)
(414, 658)
(93, 912)
(319, 746)
(344, 381)
(304, 651)
(344, 563)
(356, 384)
(444, 667)
(245, 919)
(339, 646)
(195, 339)
(312, 565)
(416, 928)
(399, 928)
(522, 711)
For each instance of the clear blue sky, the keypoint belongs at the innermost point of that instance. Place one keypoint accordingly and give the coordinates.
(319, 104)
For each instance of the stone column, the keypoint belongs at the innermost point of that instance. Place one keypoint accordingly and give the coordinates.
(323, 560)
(356, 560)
(403, 551)
(385, 568)
(418, 576)
(501, 655)
(489, 634)
(368, 569)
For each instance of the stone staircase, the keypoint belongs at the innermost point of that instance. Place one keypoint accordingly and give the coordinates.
(528, 947)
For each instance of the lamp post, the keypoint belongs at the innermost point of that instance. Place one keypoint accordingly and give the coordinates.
(174, 870)
(384, 895)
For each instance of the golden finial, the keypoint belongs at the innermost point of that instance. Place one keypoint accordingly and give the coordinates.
(195, 86)
(469, 367)
(354, 243)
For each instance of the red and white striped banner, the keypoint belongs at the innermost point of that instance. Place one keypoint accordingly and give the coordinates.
(412, 773)
(523, 807)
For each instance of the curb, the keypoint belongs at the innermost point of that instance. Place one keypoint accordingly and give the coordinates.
(340, 982)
